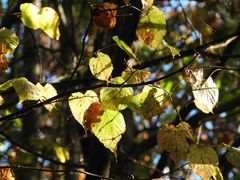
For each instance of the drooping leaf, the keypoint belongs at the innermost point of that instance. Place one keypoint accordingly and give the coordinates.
(79, 104)
(6, 174)
(206, 95)
(174, 51)
(203, 161)
(115, 98)
(124, 47)
(104, 15)
(109, 129)
(152, 27)
(25, 89)
(174, 140)
(148, 102)
(134, 76)
(233, 156)
(61, 153)
(45, 18)
(8, 41)
(101, 66)
(47, 92)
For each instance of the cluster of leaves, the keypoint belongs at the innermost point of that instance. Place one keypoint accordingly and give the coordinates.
(99, 111)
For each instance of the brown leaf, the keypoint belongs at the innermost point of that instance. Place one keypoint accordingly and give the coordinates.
(6, 174)
(174, 140)
(92, 114)
(4, 62)
(104, 15)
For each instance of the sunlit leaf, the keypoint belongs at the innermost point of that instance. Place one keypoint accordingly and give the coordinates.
(92, 114)
(79, 104)
(110, 129)
(174, 51)
(115, 98)
(124, 47)
(8, 41)
(45, 18)
(25, 89)
(104, 15)
(217, 175)
(1, 100)
(101, 66)
(206, 95)
(152, 27)
(203, 161)
(6, 174)
(61, 153)
(174, 140)
(148, 102)
(47, 92)
(146, 4)
(134, 76)
(233, 156)
(4, 62)
(189, 76)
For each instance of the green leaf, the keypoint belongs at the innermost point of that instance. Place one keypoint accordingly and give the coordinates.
(10, 39)
(110, 129)
(79, 104)
(124, 47)
(203, 161)
(134, 76)
(148, 102)
(217, 175)
(233, 156)
(174, 51)
(45, 18)
(174, 140)
(152, 27)
(25, 89)
(115, 98)
(101, 66)
(47, 92)
(61, 153)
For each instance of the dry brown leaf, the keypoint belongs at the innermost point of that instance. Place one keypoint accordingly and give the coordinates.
(92, 115)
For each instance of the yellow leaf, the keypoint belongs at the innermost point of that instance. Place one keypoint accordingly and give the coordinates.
(6, 174)
(134, 76)
(61, 153)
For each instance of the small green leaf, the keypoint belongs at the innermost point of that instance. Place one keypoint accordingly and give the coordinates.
(115, 98)
(110, 129)
(47, 92)
(61, 153)
(152, 27)
(148, 102)
(10, 39)
(203, 161)
(174, 51)
(25, 89)
(45, 18)
(101, 66)
(124, 47)
(134, 76)
(79, 104)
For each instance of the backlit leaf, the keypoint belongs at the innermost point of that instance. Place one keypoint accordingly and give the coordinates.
(110, 129)
(146, 4)
(25, 89)
(115, 98)
(47, 92)
(174, 51)
(203, 161)
(233, 156)
(124, 47)
(152, 27)
(134, 76)
(45, 18)
(217, 175)
(174, 140)
(206, 95)
(92, 115)
(61, 153)
(8, 41)
(4, 62)
(148, 102)
(101, 66)
(104, 15)
(6, 174)
(79, 104)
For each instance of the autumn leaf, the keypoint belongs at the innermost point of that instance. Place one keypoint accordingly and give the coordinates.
(152, 27)
(109, 129)
(174, 140)
(45, 18)
(203, 161)
(47, 92)
(101, 66)
(6, 174)
(134, 76)
(25, 89)
(92, 115)
(79, 103)
(104, 14)
(148, 102)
